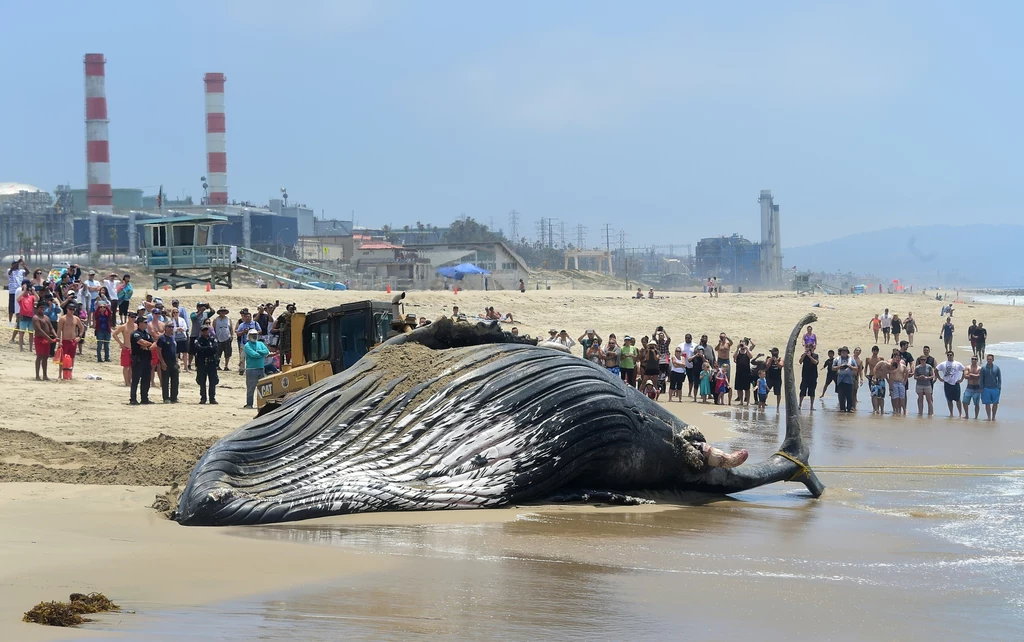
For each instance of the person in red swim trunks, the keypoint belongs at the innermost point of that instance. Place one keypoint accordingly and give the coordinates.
(70, 329)
(43, 336)
(122, 335)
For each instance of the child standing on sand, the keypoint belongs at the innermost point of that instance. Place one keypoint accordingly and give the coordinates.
(705, 382)
(721, 385)
(762, 390)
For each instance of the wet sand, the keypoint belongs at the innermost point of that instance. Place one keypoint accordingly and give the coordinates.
(880, 556)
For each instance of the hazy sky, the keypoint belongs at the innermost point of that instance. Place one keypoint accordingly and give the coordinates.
(661, 118)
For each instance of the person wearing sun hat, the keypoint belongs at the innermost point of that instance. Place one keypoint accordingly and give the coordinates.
(222, 330)
(242, 327)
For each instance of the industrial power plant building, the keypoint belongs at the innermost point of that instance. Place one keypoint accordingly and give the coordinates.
(734, 260)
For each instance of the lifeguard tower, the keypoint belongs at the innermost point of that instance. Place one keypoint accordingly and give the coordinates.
(802, 283)
(180, 252)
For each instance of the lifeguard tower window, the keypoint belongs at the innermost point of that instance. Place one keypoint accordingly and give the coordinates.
(204, 234)
(159, 236)
(185, 235)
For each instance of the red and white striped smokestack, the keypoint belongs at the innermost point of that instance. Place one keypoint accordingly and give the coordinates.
(99, 196)
(216, 140)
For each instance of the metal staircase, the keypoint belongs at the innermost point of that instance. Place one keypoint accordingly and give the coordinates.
(287, 271)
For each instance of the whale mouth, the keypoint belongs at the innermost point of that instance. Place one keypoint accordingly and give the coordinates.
(454, 416)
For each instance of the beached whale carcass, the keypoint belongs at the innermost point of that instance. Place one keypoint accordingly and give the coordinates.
(458, 415)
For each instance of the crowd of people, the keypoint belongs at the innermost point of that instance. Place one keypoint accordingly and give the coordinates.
(57, 313)
(730, 372)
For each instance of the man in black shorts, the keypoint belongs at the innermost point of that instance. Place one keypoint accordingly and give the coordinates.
(774, 375)
(808, 375)
(830, 376)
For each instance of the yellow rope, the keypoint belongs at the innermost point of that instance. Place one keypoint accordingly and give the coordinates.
(803, 468)
(929, 466)
(910, 472)
(937, 470)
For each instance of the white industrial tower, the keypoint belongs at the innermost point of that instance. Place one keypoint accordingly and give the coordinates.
(771, 241)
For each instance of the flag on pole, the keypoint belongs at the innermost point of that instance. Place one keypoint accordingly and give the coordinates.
(160, 200)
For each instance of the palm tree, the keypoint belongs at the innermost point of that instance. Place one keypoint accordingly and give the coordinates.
(112, 233)
(419, 226)
(39, 241)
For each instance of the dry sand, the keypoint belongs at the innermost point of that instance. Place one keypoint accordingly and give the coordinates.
(59, 538)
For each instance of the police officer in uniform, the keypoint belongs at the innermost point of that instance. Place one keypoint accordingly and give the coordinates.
(206, 360)
(142, 361)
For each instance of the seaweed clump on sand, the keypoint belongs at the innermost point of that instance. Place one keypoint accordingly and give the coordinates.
(69, 613)
(167, 503)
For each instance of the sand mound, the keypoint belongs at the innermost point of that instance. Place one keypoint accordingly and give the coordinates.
(27, 457)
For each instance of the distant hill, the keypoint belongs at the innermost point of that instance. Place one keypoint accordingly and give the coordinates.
(928, 256)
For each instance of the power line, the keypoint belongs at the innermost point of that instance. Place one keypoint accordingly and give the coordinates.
(581, 236)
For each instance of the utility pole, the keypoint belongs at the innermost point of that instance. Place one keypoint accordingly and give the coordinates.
(541, 232)
(607, 237)
(561, 234)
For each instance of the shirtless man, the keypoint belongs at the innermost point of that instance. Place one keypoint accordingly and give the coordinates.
(870, 363)
(44, 336)
(879, 376)
(723, 349)
(70, 329)
(122, 334)
(972, 375)
(155, 328)
(898, 384)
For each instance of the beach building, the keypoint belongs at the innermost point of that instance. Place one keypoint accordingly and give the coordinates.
(32, 221)
(403, 267)
(506, 267)
(733, 259)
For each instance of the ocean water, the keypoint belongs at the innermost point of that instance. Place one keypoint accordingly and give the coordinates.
(1009, 349)
(889, 552)
(998, 299)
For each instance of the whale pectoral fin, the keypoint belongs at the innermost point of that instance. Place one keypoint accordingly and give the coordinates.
(586, 496)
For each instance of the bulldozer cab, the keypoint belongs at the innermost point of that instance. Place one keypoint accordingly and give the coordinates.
(331, 340)
(344, 333)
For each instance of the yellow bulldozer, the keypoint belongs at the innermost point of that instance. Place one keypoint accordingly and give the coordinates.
(325, 342)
